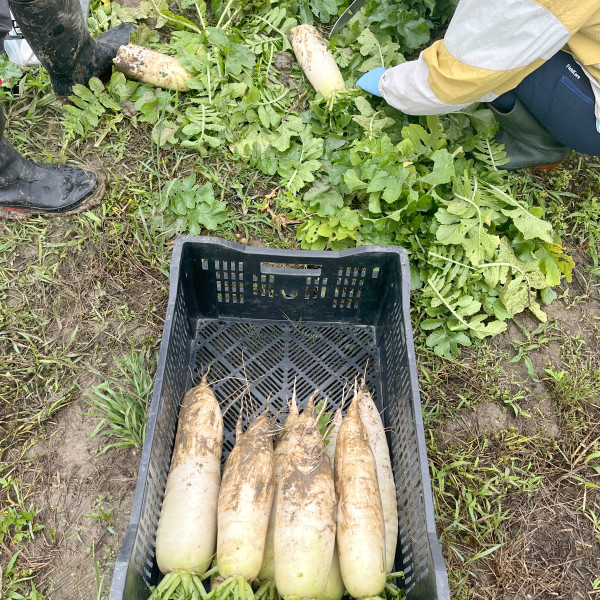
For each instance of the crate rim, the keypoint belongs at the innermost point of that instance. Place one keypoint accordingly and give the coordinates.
(281, 253)
(121, 565)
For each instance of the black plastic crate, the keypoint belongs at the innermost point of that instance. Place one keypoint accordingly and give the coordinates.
(272, 318)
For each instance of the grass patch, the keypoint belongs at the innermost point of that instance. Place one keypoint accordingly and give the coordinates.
(122, 403)
(503, 485)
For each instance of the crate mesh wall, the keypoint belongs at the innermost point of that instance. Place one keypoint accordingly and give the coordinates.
(235, 284)
(255, 365)
(412, 548)
(162, 437)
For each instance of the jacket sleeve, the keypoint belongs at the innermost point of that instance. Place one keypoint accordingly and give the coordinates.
(489, 48)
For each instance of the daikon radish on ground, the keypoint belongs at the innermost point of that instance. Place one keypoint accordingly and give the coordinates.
(385, 477)
(316, 61)
(305, 518)
(187, 527)
(360, 525)
(245, 500)
(148, 66)
(267, 570)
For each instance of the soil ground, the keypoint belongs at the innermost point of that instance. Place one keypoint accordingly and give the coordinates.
(84, 499)
(522, 421)
(102, 301)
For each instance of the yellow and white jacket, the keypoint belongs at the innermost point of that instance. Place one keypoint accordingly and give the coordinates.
(489, 48)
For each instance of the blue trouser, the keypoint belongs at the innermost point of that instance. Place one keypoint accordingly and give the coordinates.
(559, 95)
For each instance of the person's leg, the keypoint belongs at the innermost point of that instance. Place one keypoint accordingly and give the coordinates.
(559, 95)
(550, 111)
(42, 188)
(527, 143)
(57, 33)
(5, 22)
(506, 102)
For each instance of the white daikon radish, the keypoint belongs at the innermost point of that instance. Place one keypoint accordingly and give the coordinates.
(305, 518)
(335, 585)
(187, 527)
(334, 590)
(245, 500)
(385, 476)
(267, 570)
(360, 526)
(148, 66)
(316, 61)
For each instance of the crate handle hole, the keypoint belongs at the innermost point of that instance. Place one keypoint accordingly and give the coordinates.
(289, 295)
(269, 268)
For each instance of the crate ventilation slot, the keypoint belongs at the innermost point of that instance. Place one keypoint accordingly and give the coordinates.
(232, 284)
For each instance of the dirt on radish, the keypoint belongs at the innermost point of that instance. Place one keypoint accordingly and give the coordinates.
(245, 501)
(187, 528)
(305, 519)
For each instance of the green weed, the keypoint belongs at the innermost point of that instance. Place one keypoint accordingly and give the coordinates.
(192, 206)
(122, 404)
(103, 513)
(18, 526)
(533, 341)
(17, 523)
(17, 583)
(99, 574)
(574, 384)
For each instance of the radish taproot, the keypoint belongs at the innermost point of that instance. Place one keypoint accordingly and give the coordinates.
(305, 516)
(385, 476)
(316, 61)
(360, 526)
(332, 432)
(148, 66)
(244, 507)
(334, 590)
(187, 527)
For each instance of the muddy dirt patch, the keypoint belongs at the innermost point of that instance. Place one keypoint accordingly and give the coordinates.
(83, 500)
(551, 550)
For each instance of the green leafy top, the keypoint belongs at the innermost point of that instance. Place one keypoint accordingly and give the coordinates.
(351, 169)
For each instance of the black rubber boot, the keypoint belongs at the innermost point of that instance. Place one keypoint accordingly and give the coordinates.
(57, 33)
(42, 188)
(527, 142)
